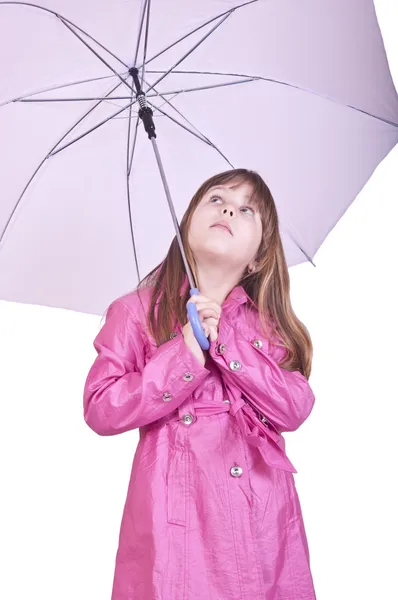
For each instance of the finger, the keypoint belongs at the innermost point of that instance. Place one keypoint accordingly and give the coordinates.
(205, 313)
(213, 333)
(211, 321)
(202, 300)
(214, 305)
(200, 303)
(208, 306)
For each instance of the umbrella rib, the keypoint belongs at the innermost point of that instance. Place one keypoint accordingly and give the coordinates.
(64, 19)
(199, 135)
(156, 107)
(129, 158)
(166, 101)
(146, 40)
(96, 54)
(205, 73)
(205, 87)
(137, 122)
(226, 14)
(141, 24)
(93, 128)
(52, 88)
(277, 81)
(50, 153)
(308, 257)
(203, 137)
(189, 52)
(180, 124)
(168, 93)
(325, 97)
(365, 112)
(87, 99)
(81, 119)
(128, 171)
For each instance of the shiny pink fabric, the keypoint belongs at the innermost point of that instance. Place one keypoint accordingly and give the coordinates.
(212, 511)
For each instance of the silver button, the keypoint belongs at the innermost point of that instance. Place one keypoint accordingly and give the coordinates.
(173, 334)
(257, 343)
(188, 377)
(187, 419)
(221, 348)
(229, 401)
(166, 396)
(235, 365)
(236, 471)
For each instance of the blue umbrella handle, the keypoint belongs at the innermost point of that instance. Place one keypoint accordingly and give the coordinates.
(196, 322)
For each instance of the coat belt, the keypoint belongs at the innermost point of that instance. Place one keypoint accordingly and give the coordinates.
(257, 433)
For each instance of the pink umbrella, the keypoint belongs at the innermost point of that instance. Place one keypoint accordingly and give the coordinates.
(299, 91)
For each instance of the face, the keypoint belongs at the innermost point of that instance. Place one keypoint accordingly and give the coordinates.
(211, 244)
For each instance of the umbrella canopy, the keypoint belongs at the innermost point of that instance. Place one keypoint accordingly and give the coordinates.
(299, 91)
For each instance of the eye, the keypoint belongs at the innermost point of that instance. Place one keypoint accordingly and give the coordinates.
(242, 208)
(247, 207)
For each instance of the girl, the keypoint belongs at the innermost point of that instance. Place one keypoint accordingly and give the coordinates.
(212, 511)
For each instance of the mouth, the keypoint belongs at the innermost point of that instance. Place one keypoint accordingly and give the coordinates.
(223, 227)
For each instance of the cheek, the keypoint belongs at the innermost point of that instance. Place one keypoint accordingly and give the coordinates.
(195, 231)
(253, 237)
(200, 221)
(194, 224)
(258, 232)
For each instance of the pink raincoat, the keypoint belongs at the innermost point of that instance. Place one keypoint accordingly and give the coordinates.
(212, 511)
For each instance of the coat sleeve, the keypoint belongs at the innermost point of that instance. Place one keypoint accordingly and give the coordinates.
(283, 397)
(121, 392)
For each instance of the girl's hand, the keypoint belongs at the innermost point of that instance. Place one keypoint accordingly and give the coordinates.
(209, 312)
(192, 343)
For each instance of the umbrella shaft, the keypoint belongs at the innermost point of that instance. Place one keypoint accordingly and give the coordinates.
(146, 115)
(172, 211)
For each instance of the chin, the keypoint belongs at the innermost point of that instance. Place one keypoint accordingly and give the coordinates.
(208, 244)
(214, 251)
(221, 242)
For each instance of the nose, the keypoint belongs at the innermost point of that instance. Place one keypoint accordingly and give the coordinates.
(228, 211)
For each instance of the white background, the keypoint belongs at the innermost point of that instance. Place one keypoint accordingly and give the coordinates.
(64, 487)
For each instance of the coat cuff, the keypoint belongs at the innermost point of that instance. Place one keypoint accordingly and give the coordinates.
(186, 372)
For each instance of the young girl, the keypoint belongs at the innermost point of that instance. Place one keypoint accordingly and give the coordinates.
(212, 511)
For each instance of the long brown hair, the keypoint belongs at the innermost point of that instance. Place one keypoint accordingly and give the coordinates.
(268, 286)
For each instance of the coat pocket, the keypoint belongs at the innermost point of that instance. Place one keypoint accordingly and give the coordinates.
(177, 486)
(292, 504)
(261, 481)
